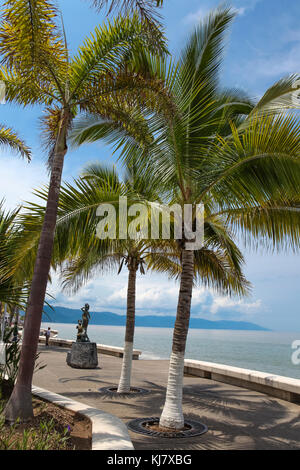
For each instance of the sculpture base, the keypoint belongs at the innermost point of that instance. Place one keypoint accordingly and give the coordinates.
(83, 356)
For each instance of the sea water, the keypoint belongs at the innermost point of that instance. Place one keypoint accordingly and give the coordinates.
(265, 351)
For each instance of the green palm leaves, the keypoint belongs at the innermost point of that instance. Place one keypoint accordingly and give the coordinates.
(38, 67)
(13, 285)
(240, 159)
(184, 140)
(147, 9)
(9, 139)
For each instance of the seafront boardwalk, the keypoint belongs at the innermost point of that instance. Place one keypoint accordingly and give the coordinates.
(237, 418)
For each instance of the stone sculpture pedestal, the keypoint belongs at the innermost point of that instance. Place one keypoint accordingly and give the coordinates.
(83, 356)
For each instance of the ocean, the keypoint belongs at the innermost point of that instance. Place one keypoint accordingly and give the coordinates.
(264, 351)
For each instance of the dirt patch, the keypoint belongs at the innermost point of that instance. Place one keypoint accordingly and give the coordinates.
(154, 426)
(60, 429)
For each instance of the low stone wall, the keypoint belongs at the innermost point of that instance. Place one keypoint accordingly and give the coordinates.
(278, 386)
(108, 431)
(101, 348)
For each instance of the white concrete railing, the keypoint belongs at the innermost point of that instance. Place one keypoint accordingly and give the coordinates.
(108, 431)
(102, 348)
(286, 388)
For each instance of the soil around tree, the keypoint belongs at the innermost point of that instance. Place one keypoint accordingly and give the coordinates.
(113, 391)
(76, 427)
(151, 427)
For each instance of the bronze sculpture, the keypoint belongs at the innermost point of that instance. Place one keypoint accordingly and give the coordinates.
(83, 354)
(80, 331)
(82, 326)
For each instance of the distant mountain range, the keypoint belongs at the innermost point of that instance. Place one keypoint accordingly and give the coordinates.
(69, 315)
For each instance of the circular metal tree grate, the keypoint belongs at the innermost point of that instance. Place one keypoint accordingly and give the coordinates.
(113, 391)
(143, 426)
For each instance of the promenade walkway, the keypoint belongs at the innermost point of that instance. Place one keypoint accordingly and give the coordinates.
(237, 418)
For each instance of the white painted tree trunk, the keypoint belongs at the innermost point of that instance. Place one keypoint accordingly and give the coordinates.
(172, 416)
(124, 384)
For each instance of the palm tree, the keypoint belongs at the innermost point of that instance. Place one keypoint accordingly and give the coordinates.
(93, 255)
(238, 157)
(218, 264)
(86, 254)
(96, 258)
(38, 70)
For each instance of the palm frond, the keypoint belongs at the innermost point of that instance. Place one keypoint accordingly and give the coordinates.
(9, 138)
(147, 9)
(284, 94)
(31, 43)
(106, 51)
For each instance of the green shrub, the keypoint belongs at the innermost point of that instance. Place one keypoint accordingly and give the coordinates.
(9, 372)
(43, 437)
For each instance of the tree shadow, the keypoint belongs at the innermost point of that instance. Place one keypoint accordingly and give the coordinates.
(237, 418)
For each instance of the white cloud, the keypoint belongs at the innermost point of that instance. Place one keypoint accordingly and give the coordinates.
(281, 63)
(195, 17)
(18, 178)
(240, 11)
(155, 295)
(277, 55)
(220, 302)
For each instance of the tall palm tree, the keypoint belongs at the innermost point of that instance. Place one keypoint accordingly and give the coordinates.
(218, 264)
(86, 254)
(95, 259)
(238, 157)
(38, 69)
(93, 255)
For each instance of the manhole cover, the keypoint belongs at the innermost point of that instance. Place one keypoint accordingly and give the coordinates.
(114, 391)
(143, 426)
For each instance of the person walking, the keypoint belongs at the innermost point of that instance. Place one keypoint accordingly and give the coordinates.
(47, 334)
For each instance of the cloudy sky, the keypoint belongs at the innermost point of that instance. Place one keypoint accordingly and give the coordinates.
(263, 45)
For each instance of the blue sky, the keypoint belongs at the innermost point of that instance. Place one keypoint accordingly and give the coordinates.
(262, 46)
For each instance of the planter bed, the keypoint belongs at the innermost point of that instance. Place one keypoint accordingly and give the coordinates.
(52, 428)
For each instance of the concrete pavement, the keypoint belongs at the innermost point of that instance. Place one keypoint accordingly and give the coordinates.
(237, 418)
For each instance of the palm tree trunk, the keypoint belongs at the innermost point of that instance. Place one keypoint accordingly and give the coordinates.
(124, 383)
(20, 402)
(17, 315)
(172, 416)
(12, 314)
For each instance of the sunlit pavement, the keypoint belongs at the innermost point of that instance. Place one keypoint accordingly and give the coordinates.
(237, 418)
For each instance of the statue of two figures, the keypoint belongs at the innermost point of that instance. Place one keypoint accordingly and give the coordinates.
(83, 354)
(82, 326)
